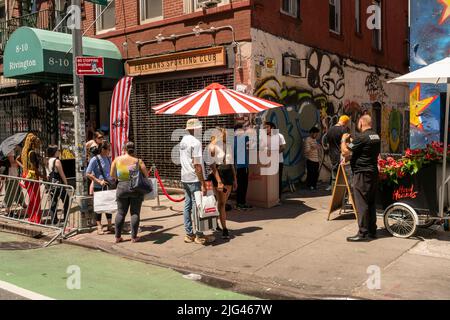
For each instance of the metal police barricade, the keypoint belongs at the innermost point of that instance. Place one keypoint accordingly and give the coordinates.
(38, 203)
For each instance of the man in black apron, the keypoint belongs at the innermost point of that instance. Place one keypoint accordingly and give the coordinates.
(363, 152)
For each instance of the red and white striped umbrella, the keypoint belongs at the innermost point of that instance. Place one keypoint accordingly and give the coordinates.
(215, 100)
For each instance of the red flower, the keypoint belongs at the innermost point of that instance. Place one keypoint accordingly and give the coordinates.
(408, 153)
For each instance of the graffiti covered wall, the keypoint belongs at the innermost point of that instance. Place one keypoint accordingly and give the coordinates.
(430, 42)
(324, 87)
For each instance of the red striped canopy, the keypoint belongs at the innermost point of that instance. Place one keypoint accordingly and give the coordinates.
(215, 100)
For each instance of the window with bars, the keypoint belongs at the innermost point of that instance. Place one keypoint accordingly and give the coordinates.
(290, 7)
(335, 16)
(152, 133)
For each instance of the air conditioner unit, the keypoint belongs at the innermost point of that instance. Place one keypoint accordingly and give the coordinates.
(292, 67)
(205, 4)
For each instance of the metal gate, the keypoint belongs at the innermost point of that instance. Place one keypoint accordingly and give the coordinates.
(28, 112)
(152, 133)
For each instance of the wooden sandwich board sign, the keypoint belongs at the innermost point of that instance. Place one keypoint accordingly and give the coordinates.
(340, 190)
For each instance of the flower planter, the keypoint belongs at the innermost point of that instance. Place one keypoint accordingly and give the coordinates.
(420, 190)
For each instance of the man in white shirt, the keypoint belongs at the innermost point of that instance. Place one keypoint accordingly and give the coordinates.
(192, 176)
(277, 142)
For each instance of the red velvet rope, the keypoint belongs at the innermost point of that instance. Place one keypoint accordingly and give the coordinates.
(164, 189)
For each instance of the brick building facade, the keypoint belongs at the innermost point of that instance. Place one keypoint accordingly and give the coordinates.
(318, 58)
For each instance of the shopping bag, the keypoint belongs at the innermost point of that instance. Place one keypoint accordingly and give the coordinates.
(206, 205)
(105, 201)
(152, 195)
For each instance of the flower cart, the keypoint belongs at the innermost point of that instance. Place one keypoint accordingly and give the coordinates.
(435, 73)
(408, 193)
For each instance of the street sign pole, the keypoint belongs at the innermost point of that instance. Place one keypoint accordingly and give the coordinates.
(79, 110)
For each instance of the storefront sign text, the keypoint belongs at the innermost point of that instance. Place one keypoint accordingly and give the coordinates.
(188, 60)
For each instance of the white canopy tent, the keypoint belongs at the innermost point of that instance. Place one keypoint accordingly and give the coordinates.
(436, 73)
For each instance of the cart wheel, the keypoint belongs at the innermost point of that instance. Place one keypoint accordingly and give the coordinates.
(401, 220)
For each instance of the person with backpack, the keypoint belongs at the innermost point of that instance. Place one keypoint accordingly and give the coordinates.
(98, 171)
(55, 174)
(127, 198)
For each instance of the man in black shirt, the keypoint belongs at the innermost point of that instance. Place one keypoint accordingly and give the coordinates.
(364, 151)
(334, 137)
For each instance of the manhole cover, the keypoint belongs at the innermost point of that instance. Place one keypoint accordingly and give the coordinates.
(19, 245)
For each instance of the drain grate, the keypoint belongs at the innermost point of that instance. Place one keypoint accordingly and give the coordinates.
(19, 245)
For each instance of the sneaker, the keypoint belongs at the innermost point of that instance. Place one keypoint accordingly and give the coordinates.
(240, 207)
(200, 240)
(189, 239)
(225, 234)
(329, 188)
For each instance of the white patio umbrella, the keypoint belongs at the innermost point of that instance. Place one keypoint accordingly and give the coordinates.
(436, 73)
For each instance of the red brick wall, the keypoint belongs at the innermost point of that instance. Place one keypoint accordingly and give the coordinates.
(312, 29)
(128, 28)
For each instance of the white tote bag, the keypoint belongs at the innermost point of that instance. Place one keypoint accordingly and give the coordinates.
(206, 205)
(105, 201)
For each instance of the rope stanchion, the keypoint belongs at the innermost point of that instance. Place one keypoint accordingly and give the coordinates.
(164, 189)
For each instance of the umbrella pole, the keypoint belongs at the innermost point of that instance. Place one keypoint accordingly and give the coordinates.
(444, 160)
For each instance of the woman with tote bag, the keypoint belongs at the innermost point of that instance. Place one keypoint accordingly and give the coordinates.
(121, 170)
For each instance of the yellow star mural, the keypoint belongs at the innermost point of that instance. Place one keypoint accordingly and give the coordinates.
(445, 11)
(417, 106)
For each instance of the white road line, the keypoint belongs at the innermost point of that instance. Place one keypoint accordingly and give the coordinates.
(22, 292)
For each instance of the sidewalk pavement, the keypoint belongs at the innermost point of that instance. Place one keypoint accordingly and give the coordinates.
(292, 251)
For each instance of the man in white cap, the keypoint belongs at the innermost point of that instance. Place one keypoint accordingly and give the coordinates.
(192, 177)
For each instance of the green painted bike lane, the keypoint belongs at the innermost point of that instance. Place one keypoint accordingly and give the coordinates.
(102, 276)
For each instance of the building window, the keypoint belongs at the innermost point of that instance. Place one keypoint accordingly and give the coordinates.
(358, 16)
(377, 37)
(335, 16)
(107, 21)
(196, 5)
(290, 7)
(151, 10)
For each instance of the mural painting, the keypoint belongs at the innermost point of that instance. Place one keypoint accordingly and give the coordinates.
(326, 73)
(321, 88)
(303, 110)
(430, 42)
